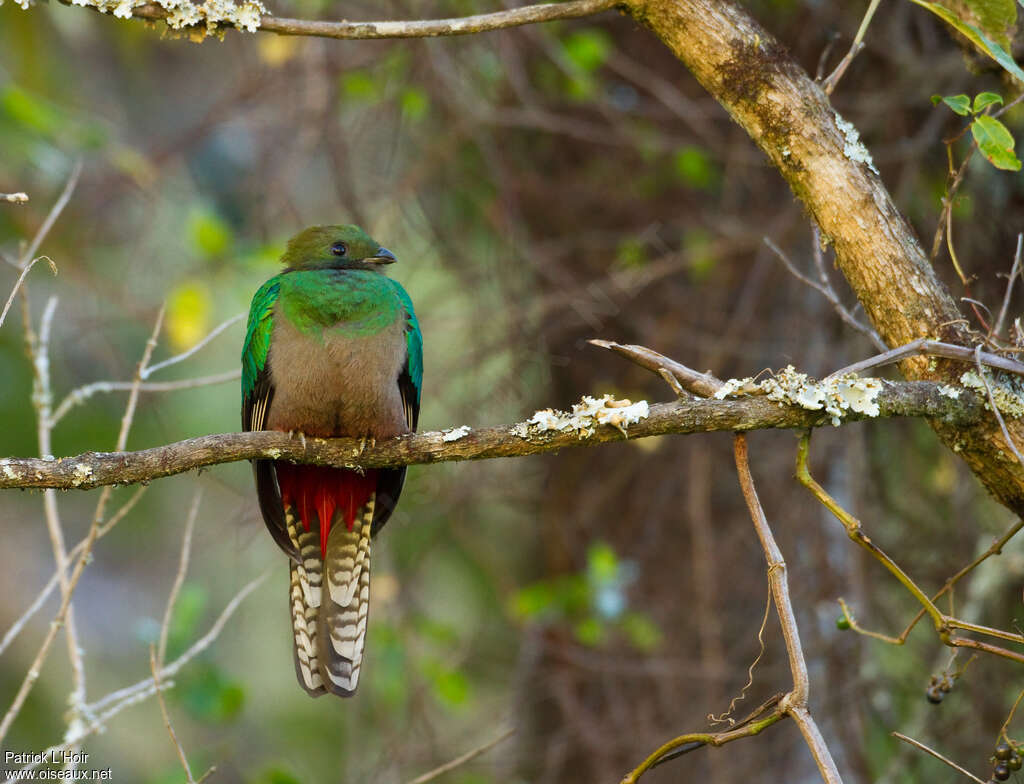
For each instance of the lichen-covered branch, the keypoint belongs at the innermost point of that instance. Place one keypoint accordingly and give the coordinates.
(210, 17)
(537, 436)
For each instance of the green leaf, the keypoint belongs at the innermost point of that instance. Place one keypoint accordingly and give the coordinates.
(960, 104)
(642, 632)
(983, 100)
(602, 563)
(210, 233)
(694, 167)
(359, 86)
(587, 49)
(976, 36)
(589, 632)
(415, 103)
(995, 142)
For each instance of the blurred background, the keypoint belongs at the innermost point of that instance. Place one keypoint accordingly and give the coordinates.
(540, 186)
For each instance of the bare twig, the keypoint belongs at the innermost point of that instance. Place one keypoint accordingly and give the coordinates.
(95, 469)
(1014, 272)
(167, 716)
(917, 744)
(113, 703)
(44, 594)
(858, 44)
(934, 348)
(197, 347)
(825, 289)
(727, 716)
(67, 588)
(21, 279)
(463, 758)
(701, 384)
(995, 408)
(795, 703)
(758, 721)
(944, 624)
(179, 578)
(78, 396)
(51, 217)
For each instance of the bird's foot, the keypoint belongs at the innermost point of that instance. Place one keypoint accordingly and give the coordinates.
(364, 441)
(301, 436)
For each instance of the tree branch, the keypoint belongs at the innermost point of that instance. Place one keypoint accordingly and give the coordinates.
(94, 469)
(428, 28)
(828, 168)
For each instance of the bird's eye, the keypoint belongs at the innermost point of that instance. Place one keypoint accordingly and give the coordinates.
(339, 249)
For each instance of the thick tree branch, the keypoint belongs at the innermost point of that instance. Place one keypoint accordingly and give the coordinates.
(830, 171)
(94, 469)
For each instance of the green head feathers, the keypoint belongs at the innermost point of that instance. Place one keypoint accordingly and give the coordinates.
(340, 247)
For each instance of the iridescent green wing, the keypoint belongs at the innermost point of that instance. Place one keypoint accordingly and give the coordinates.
(257, 396)
(257, 390)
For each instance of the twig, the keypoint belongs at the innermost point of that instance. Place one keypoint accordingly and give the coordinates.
(78, 396)
(935, 348)
(179, 578)
(95, 469)
(1009, 717)
(54, 213)
(944, 624)
(21, 279)
(917, 744)
(172, 669)
(727, 716)
(858, 44)
(480, 23)
(113, 703)
(795, 702)
(695, 740)
(701, 384)
(995, 408)
(167, 716)
(67, 589)
(1014, 271)
(197, 347)
(825, 289)
(464, 758)
(44, 594)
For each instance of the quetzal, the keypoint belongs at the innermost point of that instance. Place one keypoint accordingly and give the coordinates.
(332, 348)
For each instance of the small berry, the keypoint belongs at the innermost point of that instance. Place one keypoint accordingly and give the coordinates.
(1001, 772)
(842, 623)
(1003, 751)
(1014, 763)
(946, 684)
(934, 695)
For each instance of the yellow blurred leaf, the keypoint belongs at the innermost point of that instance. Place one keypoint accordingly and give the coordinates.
(188, 314)
(276, 50)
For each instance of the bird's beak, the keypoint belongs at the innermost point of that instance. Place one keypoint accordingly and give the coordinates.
(384, 256)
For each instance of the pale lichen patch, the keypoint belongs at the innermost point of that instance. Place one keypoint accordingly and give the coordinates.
(455, 433)
(836, 396)
(951, 392)
(1007, 391)
(10, 472)
(853, 147)
(587, 414)
(213, 14)
(81, 473)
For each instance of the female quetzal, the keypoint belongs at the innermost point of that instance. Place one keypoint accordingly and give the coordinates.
(333, 348)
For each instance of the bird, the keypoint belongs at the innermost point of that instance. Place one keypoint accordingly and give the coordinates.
(332, 348)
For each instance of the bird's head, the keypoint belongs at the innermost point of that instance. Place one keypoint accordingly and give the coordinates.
(335, 247)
